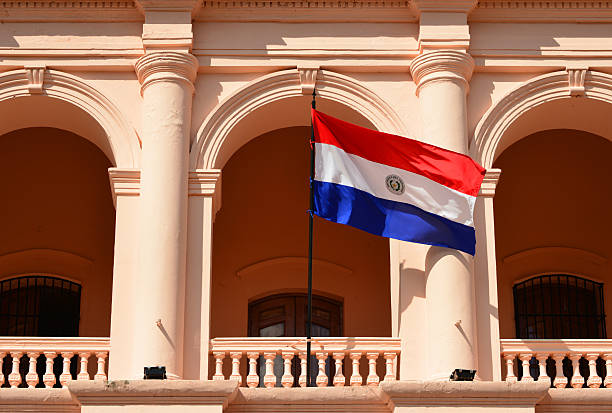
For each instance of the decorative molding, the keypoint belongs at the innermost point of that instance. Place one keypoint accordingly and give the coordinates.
(442, 65)
(167, 66)
(124, 182)
(122, 138)
(489, 183)
(548, 11)
(36, 77)
(303, 11)
(576, 77)
(444, 6)
(78, 11)
(297, 262)
(308, 78)
(489, 133)
(579, 255)
(206, 183)
(209, 150)
(168, 5)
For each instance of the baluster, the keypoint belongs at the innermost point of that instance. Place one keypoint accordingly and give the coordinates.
(560, 380)
(66, 376)
(83, 373)
(219, 356)
(2, 355)
(14, 377)
(252, 378)
(390, 366)
(356, 379)
(269, 378)
(49, 377)
(339, 379)
(577, 379)
(525, 358)
(372, 379)
(608, 380)
(32, 376)
(594, 381)
(287, 379)
(510, 357)
(100, 374)
(236, 356)
(303, 366)
(542, 357)
(321, 377)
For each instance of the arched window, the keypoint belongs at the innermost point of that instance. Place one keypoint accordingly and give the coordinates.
(559, 306)
(285, 315)
(36, 305)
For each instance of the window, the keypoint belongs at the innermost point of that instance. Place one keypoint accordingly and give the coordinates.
(285, 315)
(559, 306)
(42, 306)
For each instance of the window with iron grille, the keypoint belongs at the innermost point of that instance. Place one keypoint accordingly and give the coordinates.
(559, 306)
(37, 305)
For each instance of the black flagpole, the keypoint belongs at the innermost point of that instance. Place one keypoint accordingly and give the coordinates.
(310, 224)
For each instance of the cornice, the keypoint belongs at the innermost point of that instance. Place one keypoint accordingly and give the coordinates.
(304, 11)
(168, 66)
(446, 6)
(450, 65)
(168, 5)
(544, 11)
(82, 10)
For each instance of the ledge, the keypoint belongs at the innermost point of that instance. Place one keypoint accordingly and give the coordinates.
(573, 400)
(158, 392)
(363, 398)
(447, 393)
(35, 400)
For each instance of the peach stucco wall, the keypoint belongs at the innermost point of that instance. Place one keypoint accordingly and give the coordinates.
(552, 209)
(263, 217)
(57, 216)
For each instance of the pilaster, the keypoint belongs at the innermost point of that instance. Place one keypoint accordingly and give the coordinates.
(204, 201)
(168, 23)
(443, 24)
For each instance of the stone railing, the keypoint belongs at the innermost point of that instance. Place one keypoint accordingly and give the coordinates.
(51, 362)
(566, 363)
(281, 361)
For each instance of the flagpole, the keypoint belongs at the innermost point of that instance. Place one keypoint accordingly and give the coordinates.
(310, 225)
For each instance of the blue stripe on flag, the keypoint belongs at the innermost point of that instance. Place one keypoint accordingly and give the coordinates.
(398, 220)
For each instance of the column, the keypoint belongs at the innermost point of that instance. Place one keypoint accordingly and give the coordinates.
(125, 186)
(204, 202)
(442, 84)
(166, 79)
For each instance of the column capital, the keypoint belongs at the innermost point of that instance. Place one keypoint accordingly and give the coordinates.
(489, 183)
(442, 65)
(206, 183)
(166, 66)
(124, 182)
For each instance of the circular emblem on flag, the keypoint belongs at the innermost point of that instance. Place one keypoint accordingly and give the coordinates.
(394, 184)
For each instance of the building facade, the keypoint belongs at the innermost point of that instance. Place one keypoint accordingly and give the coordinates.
(154, 156)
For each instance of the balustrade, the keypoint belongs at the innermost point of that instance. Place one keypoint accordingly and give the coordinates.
(566, 363)
(276, 362)
(51, 362)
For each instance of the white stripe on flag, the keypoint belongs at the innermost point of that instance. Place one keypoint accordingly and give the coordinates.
(333, 165)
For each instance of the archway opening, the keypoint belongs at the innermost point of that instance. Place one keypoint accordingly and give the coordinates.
(58, 219)
(552, 221)
(260, 242)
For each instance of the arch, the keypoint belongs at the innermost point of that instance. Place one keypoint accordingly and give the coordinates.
(214, 136)
(118, 140)
(490, 135)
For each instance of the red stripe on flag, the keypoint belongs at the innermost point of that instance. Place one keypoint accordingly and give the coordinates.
(452, 169)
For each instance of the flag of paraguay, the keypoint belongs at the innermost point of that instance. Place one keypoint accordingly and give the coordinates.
(393, 186)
